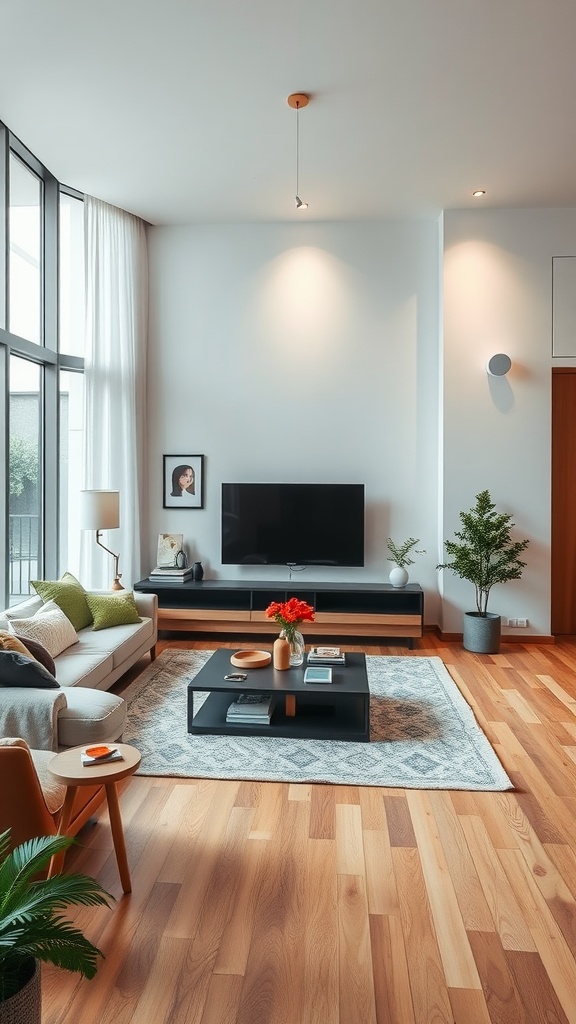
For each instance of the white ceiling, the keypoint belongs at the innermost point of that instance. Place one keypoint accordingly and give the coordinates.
(176, 109)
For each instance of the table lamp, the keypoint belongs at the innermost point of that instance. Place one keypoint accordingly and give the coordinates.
(100, 510)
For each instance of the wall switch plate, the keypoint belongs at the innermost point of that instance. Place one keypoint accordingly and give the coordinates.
(511, 622)
(522, 622)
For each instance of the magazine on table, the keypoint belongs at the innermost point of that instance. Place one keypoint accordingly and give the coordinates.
(250, 707)
(96, 755)
(326, 656)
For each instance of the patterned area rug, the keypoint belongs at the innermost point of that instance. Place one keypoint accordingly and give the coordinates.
(423, 733)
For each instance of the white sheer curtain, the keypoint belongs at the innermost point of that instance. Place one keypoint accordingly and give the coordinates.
(115, 384)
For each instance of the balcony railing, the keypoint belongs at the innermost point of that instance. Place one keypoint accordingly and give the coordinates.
(23, 554)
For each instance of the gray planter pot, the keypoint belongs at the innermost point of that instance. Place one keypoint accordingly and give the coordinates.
(26, 1006)
(481, 634)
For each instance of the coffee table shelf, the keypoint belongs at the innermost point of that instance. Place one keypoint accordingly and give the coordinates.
(339, 711)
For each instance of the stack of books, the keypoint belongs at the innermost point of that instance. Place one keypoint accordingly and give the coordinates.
(251, 709)
(326, 656)
(170, 574)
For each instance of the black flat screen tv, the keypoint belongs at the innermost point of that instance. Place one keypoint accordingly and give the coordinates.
(292, 524)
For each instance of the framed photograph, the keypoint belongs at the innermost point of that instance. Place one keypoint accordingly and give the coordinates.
(183, 481)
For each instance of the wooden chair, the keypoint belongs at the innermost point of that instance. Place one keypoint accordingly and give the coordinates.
(30, 800)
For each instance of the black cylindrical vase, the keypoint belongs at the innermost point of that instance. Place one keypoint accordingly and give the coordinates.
(197, 571)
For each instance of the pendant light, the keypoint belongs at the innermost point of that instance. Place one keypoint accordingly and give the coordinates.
(297, 100)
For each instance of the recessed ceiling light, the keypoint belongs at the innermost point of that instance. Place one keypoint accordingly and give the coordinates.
(479, 192)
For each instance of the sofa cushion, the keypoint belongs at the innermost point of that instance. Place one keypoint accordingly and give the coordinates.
(23, 610)
(18, 670)
(10, 642)
(75, 668)
(131, 640)
(50, 626)
(69, 595)
(39, 652)
(92, 716)
(113, 609)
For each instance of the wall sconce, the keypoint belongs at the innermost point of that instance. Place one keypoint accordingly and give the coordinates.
(498, 365)
(296, 100)
(100, 510)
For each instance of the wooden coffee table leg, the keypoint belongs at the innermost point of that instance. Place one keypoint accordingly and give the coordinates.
(290, 705)
(118, 836)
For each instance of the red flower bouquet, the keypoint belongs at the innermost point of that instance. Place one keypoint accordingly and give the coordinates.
(289, 614)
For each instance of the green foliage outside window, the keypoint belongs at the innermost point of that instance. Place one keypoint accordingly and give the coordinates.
(23, 465)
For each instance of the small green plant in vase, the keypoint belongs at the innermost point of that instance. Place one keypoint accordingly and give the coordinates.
(400, 555)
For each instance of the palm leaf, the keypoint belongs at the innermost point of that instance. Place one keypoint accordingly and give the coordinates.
(31, 924)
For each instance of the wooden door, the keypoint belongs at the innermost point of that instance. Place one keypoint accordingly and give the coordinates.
(563, 600)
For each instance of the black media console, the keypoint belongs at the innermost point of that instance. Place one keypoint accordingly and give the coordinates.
(376, 610)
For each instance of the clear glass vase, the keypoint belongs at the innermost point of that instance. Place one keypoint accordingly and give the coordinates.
(297, 646)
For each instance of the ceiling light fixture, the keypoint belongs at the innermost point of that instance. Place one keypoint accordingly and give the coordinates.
(479, 192)
(296, 100)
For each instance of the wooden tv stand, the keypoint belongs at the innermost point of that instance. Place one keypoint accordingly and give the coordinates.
(376, 610)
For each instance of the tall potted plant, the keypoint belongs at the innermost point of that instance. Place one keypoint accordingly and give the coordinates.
(32, 927)
(484, 553)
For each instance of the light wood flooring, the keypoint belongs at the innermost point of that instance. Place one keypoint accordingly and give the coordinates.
(266, 903)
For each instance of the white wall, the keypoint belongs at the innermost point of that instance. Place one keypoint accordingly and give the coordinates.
(496, 431)
(311, 352)
(300, 352)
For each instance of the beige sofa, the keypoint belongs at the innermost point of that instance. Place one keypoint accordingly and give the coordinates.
(81, 711)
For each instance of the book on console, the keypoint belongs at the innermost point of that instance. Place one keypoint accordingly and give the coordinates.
(171, 577)
(170, 570)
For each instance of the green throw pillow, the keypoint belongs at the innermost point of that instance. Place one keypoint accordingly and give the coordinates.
(113, 609)
(70, 597)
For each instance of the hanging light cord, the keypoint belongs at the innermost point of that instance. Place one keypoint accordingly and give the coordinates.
(297, 145)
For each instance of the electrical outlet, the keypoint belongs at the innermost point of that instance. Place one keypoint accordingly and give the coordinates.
(522, 622)
(511, 622)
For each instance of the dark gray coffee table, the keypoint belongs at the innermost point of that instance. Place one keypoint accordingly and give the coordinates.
(337, 711)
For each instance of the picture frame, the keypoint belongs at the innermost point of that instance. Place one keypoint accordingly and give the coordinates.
(176, 470)
(170, 545)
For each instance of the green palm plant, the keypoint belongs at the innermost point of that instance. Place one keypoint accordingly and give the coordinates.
(31, 925)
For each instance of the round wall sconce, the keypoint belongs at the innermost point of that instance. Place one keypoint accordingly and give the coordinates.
(498, 365)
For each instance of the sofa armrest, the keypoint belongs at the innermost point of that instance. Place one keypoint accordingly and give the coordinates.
(32, 714)
(147, 605)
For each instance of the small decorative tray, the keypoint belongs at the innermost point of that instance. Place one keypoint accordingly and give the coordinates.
(251, 659)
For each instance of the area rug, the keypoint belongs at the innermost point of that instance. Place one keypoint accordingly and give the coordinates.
(423, 733)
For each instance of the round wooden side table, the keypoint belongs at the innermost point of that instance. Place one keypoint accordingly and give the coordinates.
(68, 769)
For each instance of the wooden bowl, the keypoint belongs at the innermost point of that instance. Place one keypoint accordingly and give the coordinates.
(251, 659)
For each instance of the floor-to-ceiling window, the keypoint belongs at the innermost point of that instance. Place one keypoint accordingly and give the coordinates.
(41, 369)
(25, 474)
(71, 299)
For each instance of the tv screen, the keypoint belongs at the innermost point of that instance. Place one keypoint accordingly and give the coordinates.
(293, 524)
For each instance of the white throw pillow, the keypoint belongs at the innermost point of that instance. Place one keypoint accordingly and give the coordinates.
(25, 609)
(49, 626)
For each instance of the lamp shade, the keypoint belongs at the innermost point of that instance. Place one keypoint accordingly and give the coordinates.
(99, 510)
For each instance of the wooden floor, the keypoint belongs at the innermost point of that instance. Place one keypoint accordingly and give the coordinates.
(266, 903)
